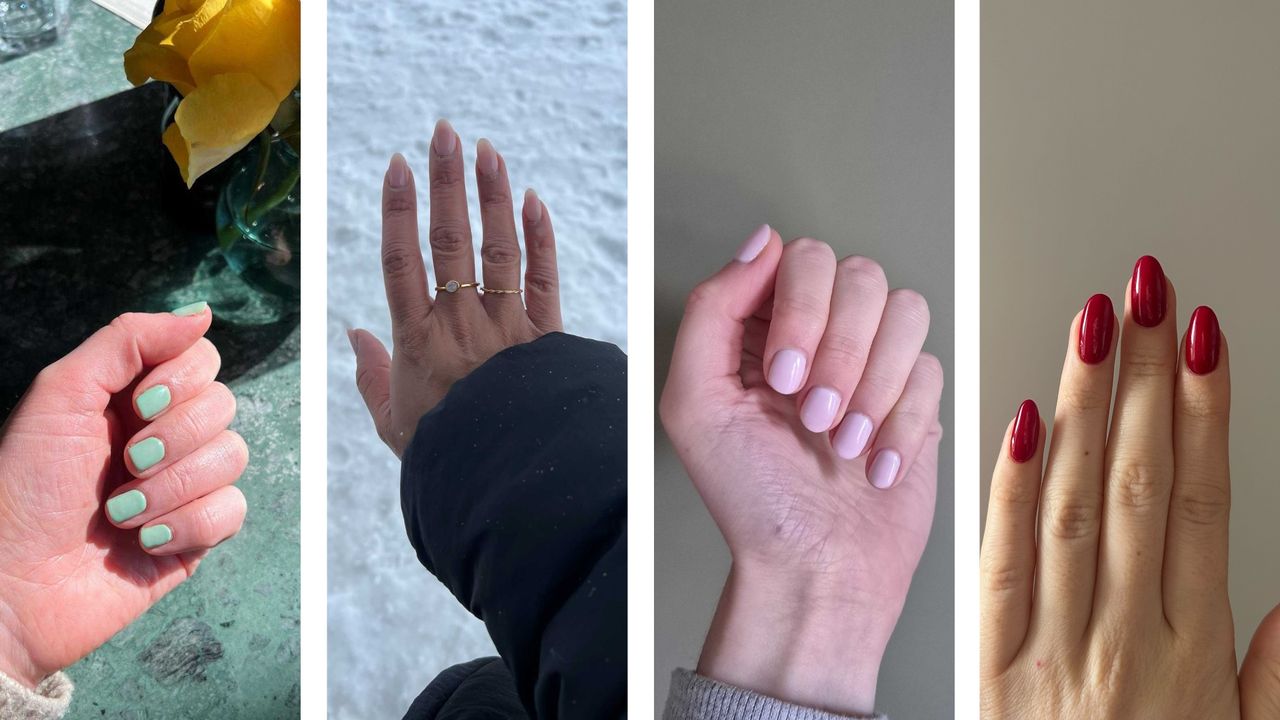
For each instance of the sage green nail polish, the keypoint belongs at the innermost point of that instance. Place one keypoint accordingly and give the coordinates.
(155, 536)
(146, 453)
(194, 308)
(126, 505)
(153, 401)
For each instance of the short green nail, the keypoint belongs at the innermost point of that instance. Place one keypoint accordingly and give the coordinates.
(155, 536)
(146, 453)
(194, 308)
(154, 400)
(126, 505)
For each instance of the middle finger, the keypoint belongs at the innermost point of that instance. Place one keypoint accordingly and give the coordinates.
(450, 233)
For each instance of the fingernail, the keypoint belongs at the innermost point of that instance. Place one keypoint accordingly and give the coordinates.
(195, 308)
(154, 536)
(153, 401)
(398, 171)
(884, 468)
(126, 505)
(1095, 329)
(1026, 432)
(787, 371)
(752, 246)
(1203, 340)
(146, 453)
(1147, 292)
(532, 206)
(445, 139)
(486, 157)
(851, 438)
(819, 409)
(354, 340)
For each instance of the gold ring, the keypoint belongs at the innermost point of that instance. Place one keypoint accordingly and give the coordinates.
(454, 286)
(492, 291)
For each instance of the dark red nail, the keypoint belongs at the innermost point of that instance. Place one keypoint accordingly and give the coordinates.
(1096, 324)
(1146, 292)
(1203, 340)
(1026, 432)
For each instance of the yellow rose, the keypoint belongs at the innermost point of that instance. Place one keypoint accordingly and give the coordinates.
(233, 61)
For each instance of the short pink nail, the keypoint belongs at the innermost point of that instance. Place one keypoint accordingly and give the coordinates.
(851, 438)
(398, 172)
(884, 468)
(751, 248)
(787, 371)
(819, 409)
(486, 157)
(532, 206)
(445, 139)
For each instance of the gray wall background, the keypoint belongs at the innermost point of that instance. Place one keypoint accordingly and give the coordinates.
(827, 119)
(1113, 130)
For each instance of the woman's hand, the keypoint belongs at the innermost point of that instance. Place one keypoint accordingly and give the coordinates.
(1104, 577)
(116, 472)
(438, 342)
(806, 415)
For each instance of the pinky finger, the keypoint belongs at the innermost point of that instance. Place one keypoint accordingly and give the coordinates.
(907, 425)
(198, 525)
(541, 278)
(1008, 558)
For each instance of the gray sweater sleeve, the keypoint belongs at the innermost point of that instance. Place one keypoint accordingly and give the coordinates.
(49, 701)
(694, 697)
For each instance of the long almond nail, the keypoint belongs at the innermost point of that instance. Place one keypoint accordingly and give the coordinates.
(486, 157)
(1026, 432)
(1096, 323)
(398, 171)
(532, 206)
(445, 140)
(1147, 292)
(1203, 341)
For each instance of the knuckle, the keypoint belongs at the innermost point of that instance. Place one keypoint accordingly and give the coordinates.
(863, 272)
(1204, 406)
(398, 260)
(449, 238)
(1202, 504)
(410, 338)
(496, 197)
(447, 177)
(1070, 518)
(702, 294)
(845, 351)
(1005, 577)
(500, 251)
(1139, 487)
(910, 305)
(1010, 492)
(1085, 398)
(1148, 363)
(800, 307)
(397, 205)
(541, 280)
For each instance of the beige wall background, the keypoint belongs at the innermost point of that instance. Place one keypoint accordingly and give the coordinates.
(1113, 130)
(828, 119)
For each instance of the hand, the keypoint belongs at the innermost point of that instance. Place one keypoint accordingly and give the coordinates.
(440, 341)
(133, 415)
(1123, 536)
(788, 367)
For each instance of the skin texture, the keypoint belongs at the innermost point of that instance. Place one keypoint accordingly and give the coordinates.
(1123, 538)
(69, 577)
(821, 559)
(439, 340)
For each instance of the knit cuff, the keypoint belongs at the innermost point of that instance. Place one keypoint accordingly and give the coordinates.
(694, 697)
(48, 701)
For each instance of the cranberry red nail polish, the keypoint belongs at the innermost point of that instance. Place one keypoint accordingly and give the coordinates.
(1026, 432)
(1096, 324)
(1203, 341)
(1147, 292)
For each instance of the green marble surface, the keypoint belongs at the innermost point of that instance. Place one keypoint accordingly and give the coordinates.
(86, 65)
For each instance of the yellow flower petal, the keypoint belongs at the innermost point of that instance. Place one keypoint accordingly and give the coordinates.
(260, 37)
(218, 118)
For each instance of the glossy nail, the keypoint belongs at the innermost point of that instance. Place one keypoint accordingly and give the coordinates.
(1096, 325)
(444, 140)
(786, 372)
(126, 505)
(851, 438)
(486, 157)
(398, 171)
(752, 246)
(1026, 432)
(884, 468)
(819, 409)
(153, 401)
(532, 206)
(146, 453)
(1147, 292)
(1203, 340)
(195, 308)
(154, 536)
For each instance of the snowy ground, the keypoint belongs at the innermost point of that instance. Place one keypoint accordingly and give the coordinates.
(546, 82)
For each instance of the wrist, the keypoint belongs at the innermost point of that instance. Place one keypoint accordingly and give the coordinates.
(15, 660)
(803, 637)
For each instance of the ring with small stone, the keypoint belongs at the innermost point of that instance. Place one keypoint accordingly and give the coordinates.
(454, 286)
(494, 291)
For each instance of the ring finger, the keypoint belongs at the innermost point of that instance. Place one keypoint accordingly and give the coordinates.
(450, 233)
(219, 462)
(180, 431)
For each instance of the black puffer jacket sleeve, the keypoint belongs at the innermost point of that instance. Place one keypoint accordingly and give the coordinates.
(514, 495)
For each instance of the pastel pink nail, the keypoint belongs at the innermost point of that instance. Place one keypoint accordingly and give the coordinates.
(819, 409)
(851, 438)
(445, 140)
(884, 468)
(753, 245)
(787, 371)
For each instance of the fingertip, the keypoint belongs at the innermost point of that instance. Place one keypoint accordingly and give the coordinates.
(533, 209)
(398, 172)
(354, 339)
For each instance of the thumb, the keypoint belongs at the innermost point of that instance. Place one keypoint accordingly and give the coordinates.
(708, 346)
(373, 378)
(1260, 674)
